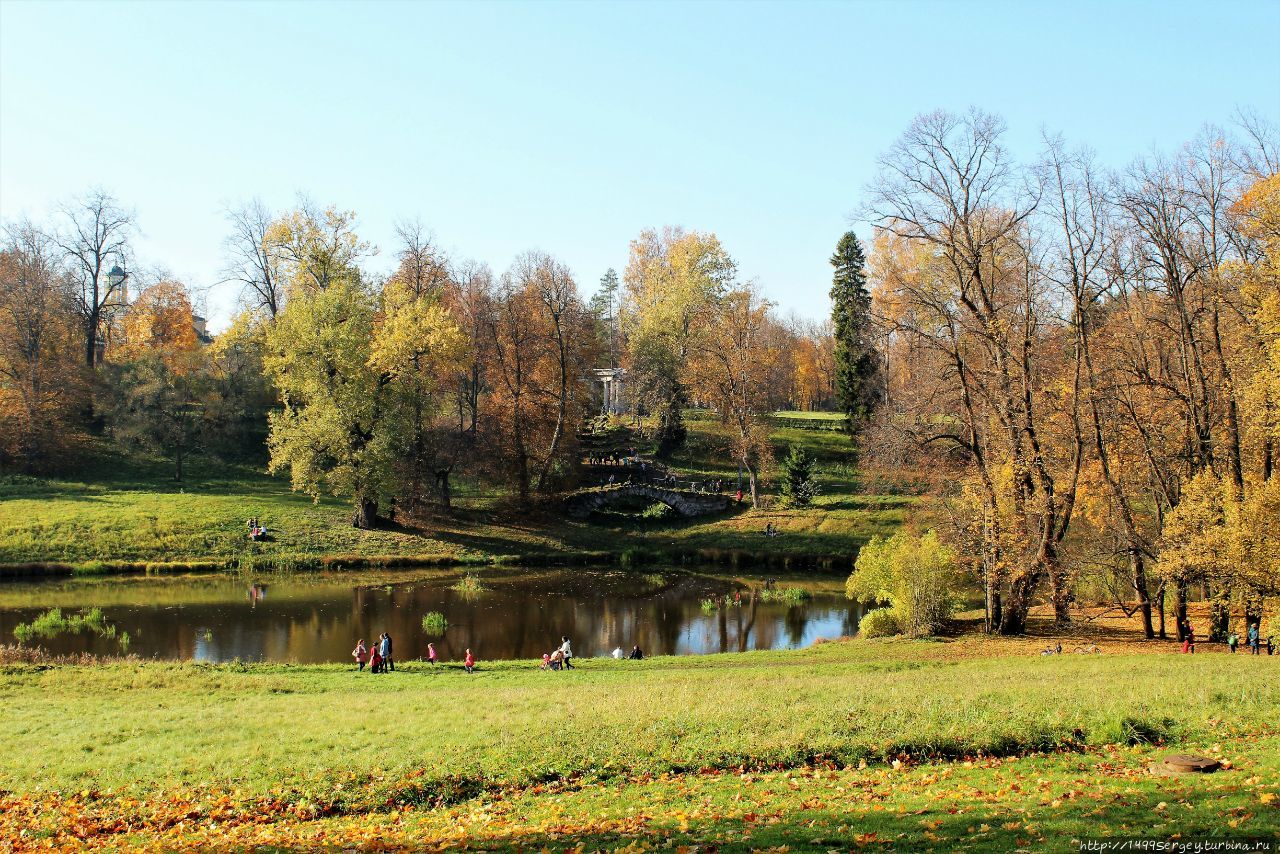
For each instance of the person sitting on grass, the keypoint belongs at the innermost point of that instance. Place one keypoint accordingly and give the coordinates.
(469, 662)
(636, 654)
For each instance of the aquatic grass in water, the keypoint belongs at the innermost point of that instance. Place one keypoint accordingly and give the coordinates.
(434, 623)
(469, 584)
(53, 622)
(787, 595)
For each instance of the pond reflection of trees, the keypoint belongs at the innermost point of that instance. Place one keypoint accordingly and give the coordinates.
(517, 616)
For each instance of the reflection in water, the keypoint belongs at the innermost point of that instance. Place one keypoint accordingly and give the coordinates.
(319, 618)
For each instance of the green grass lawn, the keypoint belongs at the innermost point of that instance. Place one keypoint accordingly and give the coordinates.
(614, 750)
(130, 511)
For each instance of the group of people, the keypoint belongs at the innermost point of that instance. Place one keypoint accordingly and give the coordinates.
(257, 531)
(771, 530)
(636, 654)
(1254, 640)
(560, 658)
(379, 656)
(380, 659)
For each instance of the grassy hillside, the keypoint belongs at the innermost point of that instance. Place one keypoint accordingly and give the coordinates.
(800, 748)
(131, 511)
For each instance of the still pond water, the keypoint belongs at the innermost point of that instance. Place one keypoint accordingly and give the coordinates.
(518, 614)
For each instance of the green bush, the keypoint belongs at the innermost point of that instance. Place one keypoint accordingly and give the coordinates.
(916, 576)
(880, 623)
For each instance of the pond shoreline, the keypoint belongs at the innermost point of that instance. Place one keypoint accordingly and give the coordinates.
(285, 563)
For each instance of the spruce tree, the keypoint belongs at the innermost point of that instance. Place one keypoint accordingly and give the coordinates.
(799, 487)
(857, 380)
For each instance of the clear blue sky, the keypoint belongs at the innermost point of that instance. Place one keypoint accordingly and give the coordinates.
(569, 127)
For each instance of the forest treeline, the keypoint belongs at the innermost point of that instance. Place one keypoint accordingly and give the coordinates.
(382, 388)
(1091, 358)
(1084, 361)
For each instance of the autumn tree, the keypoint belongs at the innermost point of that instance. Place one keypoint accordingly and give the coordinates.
(315, 248)
(40, 378)
(732, 354)
(95, 241)
(671, 277)
(254, 260)
(159, 321)
(969, 289)
(539, 337)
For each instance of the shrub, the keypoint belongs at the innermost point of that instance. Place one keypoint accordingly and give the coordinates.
(916, 576)
(880, 623)
(798, 484)
(434, 623)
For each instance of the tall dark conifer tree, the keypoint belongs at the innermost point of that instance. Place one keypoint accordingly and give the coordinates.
(857, 373)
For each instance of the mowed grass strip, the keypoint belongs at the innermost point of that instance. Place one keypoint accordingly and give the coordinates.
(147, 727)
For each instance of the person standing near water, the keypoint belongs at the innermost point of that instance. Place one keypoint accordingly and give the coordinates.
(567, 651)
(431, 654)
(360, 654)
(469, 662)
(387, 662)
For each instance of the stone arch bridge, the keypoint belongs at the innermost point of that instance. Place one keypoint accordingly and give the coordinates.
(686, 502)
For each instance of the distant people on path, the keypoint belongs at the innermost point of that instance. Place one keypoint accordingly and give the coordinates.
(636, 654)
(469, 662)
(1253, 639)
(1189, 642)
(1233, 641)
(360, 654)
(567, 651)
(431, 654)
(388, 663)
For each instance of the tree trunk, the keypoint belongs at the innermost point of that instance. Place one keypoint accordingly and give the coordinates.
(1021, 589)
(177, 475)
(1180, 608)
(1164, 631)
(366, 514)
(444, 488)
(1220, 615)
(1138, 574)
(1060, 591)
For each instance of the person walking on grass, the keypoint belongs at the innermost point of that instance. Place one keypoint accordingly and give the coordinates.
(431, 654)
(567, 651)
(388, 663)
(1233, 641)
(360, 654)
(469, 662)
